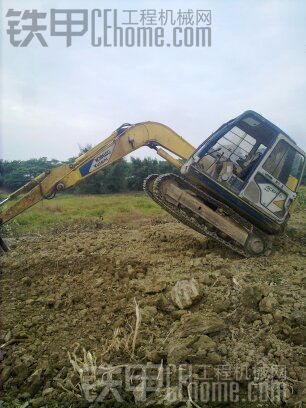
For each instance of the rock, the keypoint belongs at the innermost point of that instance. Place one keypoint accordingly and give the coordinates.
(37, 402)
(35, 382)
(197, 261)
(185, 293)
(28, 359)
(206, 279)
(196, 323)
(131, 271)
(299, 318)
(25, 396)
(204, 343)
(179, 350)
(5, 374)
(119, 322)
(49, 302)
(252, 295)
(30, 301)
(267, 319)
(20, 334)
(47, 391)
(277, 315)
(164, 305)
(222, 306)
(213, 358)
(8, 336)
(268, 304)
(35, 320)
(177, 314)
(165, 397)
(148, 313)
(298, 336)
(154, 356)
(26, 281)
(83, 312)
(155, 287)
(222, 349)
(21, 372)
(99, 282)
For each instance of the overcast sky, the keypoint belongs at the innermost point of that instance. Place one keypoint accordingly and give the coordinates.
(55, 99)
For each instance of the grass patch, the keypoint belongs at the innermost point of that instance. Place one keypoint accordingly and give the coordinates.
(113, 208)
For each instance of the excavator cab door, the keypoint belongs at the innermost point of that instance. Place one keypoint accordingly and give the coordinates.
(272, 187)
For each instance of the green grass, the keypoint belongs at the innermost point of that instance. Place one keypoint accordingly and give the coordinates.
(301, 198)
(113, 208)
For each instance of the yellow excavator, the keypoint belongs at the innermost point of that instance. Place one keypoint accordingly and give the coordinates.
(238, 187)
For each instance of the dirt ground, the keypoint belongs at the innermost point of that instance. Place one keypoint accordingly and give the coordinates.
(80, 286)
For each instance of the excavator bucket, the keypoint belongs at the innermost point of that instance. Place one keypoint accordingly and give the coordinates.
(3, 245)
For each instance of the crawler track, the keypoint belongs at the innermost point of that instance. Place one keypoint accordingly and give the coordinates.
(153, 187)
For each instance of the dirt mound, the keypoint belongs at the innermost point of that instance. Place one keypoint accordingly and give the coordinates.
(78, 285)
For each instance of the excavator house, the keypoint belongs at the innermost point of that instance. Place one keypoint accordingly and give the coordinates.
(238, 187)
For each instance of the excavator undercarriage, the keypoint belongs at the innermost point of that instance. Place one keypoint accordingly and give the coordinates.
(206, 215)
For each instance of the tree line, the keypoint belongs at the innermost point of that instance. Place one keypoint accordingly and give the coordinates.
(120, 176)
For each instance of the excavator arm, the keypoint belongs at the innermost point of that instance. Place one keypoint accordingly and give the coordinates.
(120, 143)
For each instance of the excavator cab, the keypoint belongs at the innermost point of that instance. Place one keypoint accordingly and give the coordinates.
(251, 165)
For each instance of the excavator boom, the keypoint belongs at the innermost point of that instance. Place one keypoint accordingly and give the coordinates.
(126, 139)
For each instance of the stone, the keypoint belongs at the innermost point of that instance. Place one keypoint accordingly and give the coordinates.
(268, 304)
(35, 320)
(47, 391)
(6, 373)
(252, 295)
(148, 313)
(131, 271)
(164, 397)
(28, 359)
(8, 336)
(37, 402)
(299, 318)
(26, 281)
(35, 382)
(153, 356)
(222, 349)
(298, 336)
(49, 302)
(204, 343)
(277, 315)
(99, 282)
(185, 293)
(155, 287)
(163, 304)
(267, 319)
(213, 358)
(21, 372)
(198, 324)
(179, 350)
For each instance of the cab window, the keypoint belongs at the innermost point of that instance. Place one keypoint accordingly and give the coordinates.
(285, 163)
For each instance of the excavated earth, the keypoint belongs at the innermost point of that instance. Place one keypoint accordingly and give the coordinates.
(78, 286)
